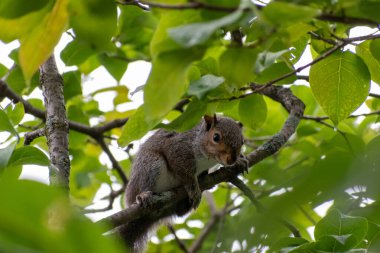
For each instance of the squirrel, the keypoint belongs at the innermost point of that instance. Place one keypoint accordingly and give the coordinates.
(169, 159)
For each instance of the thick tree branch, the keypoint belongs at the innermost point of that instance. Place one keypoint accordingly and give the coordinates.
(164, 203)
(57, 127)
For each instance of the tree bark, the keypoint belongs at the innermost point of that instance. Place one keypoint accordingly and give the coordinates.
(57, 127)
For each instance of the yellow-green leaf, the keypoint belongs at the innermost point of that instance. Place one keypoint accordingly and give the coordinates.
(20, 27)
(38, 45)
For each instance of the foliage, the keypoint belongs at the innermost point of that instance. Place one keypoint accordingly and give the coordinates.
(205, 54)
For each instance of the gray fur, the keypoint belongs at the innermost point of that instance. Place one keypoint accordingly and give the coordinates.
(169, 159)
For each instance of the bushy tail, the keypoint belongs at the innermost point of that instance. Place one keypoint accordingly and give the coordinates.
(135, 234)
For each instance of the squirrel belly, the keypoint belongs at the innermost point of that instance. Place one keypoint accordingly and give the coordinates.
(169, 159)
(166, 180)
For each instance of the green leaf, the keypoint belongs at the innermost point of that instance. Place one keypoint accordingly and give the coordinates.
(280, 13)
(198, 33)
(136, 127)
(28, 155)
(16, 114)
(274, 71)
(189, 118)
(114, 65)
(375, 48)
(20, 26)
(340, 83)
(36, 46)
(136, 28)
(199, 88)
(76, 52)
(237, 65)
(94, 21)
(369, 9)
(3, 70)
(13, 9)
(121, 93)
(167, 81)
(339, 232)
(253, 111)
(266, 59)
(72, 87)
(373, 64)
(15, 80)
(5, 155)
(45, 221)
(5, 123)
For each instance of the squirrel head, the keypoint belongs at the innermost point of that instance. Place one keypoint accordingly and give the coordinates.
(222, 139)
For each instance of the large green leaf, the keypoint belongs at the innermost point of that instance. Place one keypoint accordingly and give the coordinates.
(21, 26)
(36, 46)
(168, 81)
(93, 21)
(337, 232)
(367, 53)
(340, 84)
(45, 221)
(198, 33)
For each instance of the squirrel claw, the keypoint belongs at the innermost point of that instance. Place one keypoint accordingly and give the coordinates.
(143, 199)
(243, 163)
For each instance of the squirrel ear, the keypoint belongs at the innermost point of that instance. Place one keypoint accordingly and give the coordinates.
(210, 121)
(240, 124)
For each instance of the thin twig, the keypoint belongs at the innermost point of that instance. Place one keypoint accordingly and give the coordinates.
(115, 164)
(180, 243)
(30, 136)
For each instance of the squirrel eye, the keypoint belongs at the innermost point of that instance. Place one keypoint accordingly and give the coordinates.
(216, 137)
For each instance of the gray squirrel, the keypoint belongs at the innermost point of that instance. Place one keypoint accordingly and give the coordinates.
(169, 159)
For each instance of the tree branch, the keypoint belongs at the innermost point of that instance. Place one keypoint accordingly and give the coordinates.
(165, 202)
(57, 127)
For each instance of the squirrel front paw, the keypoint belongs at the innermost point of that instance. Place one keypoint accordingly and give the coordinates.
(144, 199)
(195, 194)
(242, 164)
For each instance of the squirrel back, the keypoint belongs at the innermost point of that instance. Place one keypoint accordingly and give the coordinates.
(169, 159)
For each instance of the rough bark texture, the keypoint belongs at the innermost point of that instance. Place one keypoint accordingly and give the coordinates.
(164, 203)
(57, 127)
